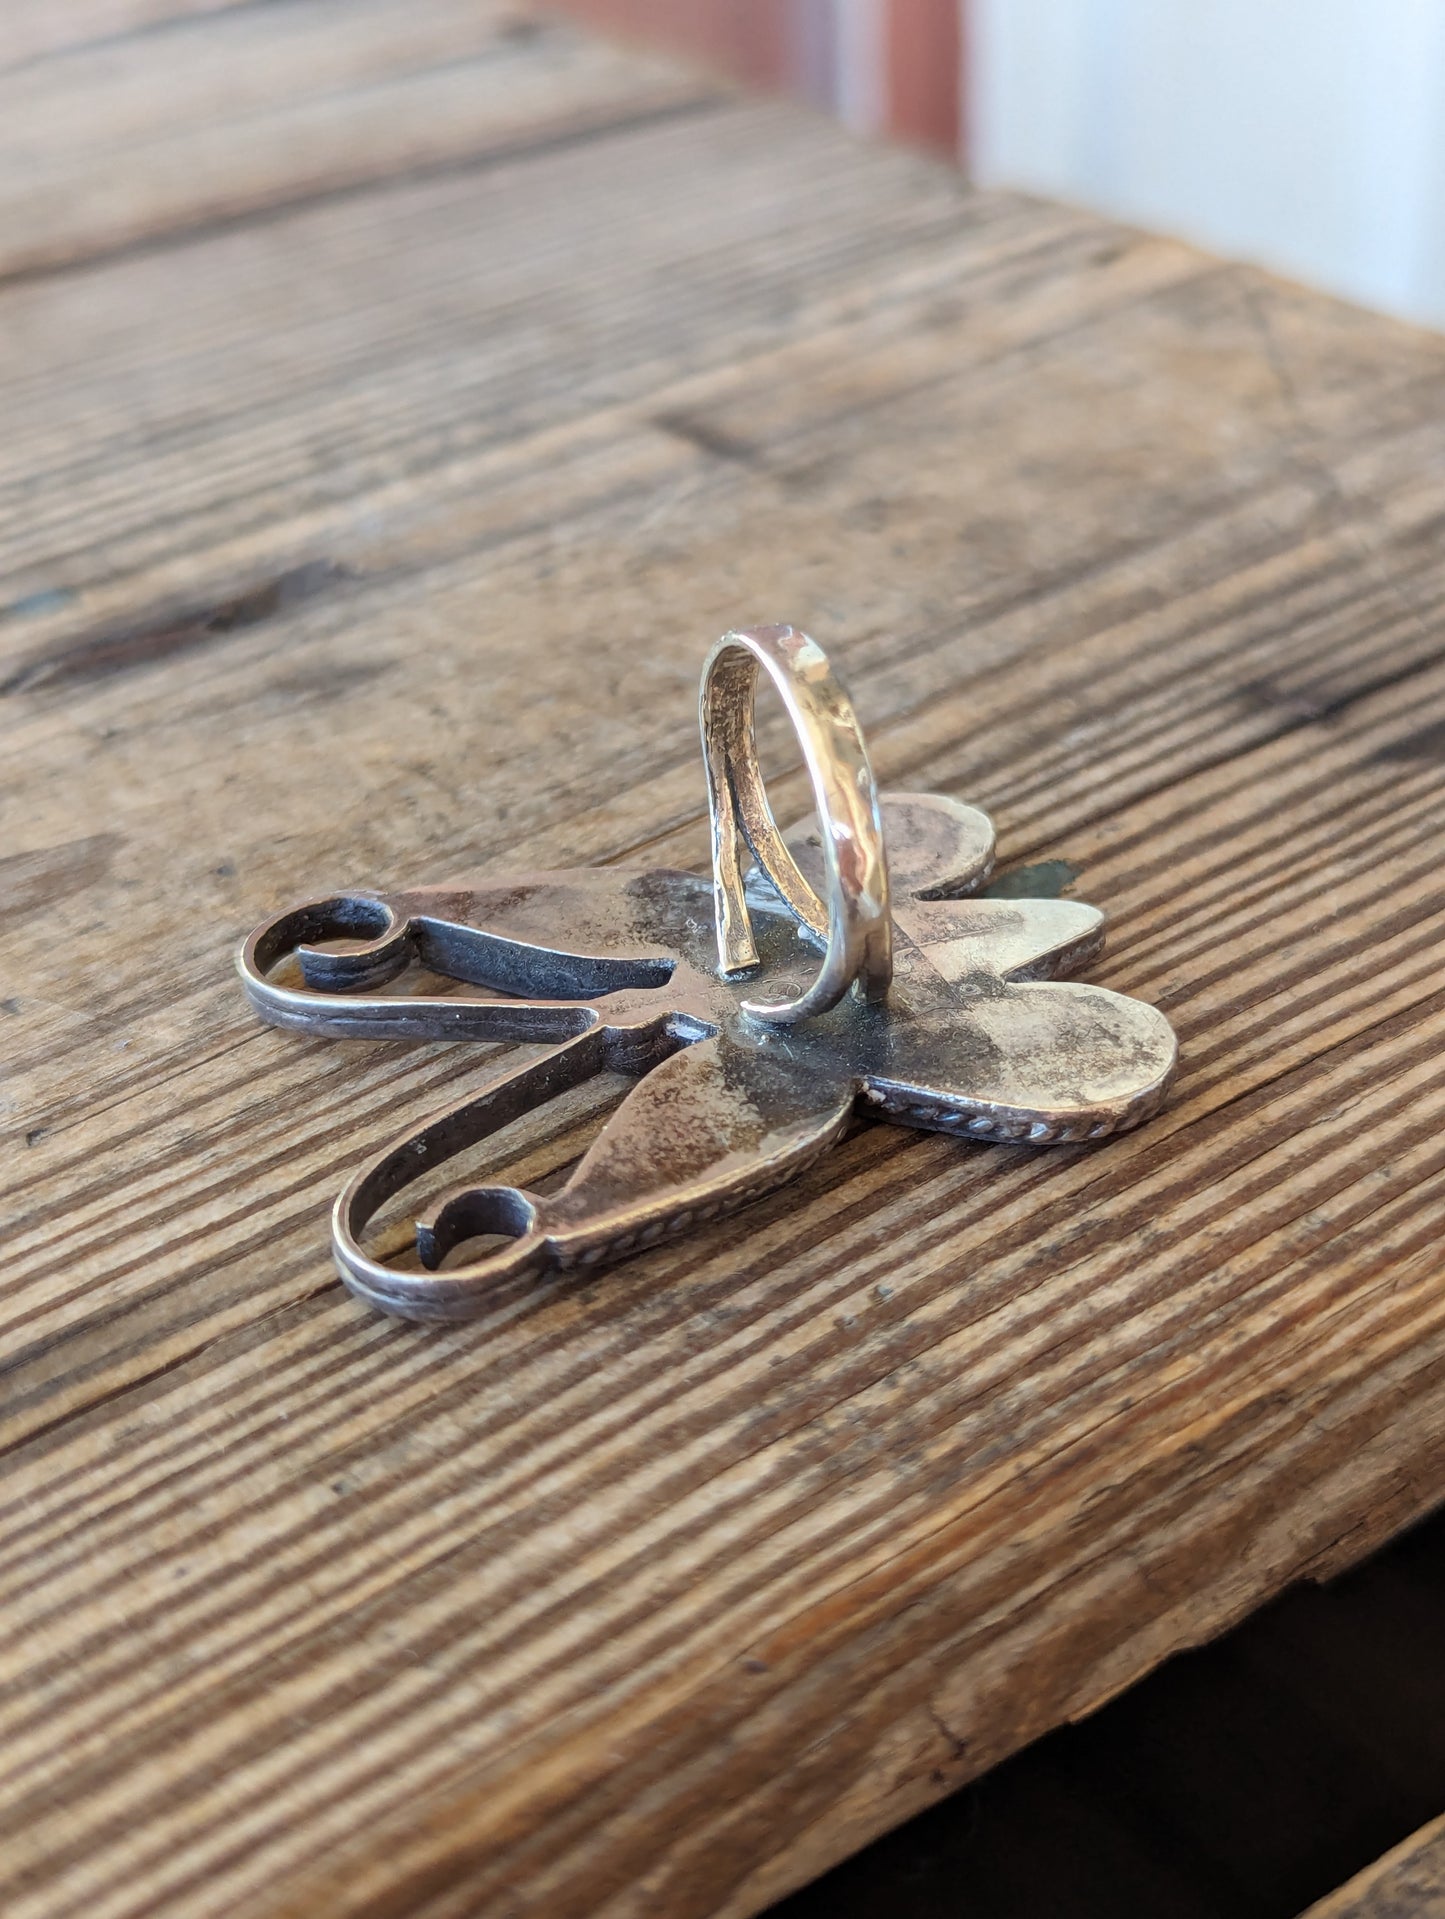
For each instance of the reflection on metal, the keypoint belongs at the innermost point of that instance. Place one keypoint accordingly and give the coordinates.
(855, 925)
(750, 1055)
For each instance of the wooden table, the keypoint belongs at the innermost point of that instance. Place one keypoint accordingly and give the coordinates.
(1408, 1883)
(397, 400)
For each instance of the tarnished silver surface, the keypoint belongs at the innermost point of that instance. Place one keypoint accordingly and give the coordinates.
(967, 1030)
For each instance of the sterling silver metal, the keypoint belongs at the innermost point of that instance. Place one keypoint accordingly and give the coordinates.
(856, 923)
(954, 1022)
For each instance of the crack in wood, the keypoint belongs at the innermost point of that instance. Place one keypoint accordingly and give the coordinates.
(117, 650)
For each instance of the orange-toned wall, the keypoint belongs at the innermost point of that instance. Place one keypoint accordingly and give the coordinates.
(894, 66)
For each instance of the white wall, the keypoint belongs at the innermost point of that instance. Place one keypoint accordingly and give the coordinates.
(1305, 134)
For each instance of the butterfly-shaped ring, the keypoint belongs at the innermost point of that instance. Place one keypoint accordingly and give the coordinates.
(855, 966)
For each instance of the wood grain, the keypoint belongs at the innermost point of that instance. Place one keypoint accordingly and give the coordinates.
(35, 29)
(1408, 1883)
(258, 106)
(380, 535)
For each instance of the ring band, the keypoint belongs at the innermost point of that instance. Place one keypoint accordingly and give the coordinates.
(855, 922)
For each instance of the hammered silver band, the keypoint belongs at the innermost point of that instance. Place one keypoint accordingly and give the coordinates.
(856, 921)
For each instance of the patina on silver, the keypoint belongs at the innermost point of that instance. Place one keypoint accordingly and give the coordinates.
(750, 1052)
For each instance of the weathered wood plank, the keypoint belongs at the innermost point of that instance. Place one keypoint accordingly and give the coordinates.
(257, 106)
(658, 1594)
(1408, 1883)
(35, 29)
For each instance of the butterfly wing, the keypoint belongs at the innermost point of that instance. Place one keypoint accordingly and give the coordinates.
(1007, 1061)
(986, 1043)
(716, 1125)
(555, 943)
(982, 939)
(711, 1127)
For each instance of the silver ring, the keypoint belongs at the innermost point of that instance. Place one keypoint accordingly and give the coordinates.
(856, 922)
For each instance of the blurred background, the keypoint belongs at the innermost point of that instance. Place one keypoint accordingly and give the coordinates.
(1306, 135)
